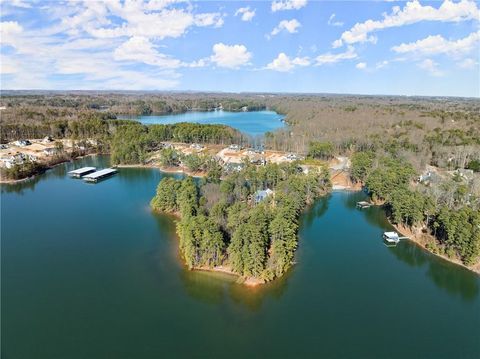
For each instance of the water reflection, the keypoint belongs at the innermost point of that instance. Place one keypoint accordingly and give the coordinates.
(21, 187)
(447, 276)
(318, 209)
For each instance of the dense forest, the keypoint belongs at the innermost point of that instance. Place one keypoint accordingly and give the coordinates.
(390, 140)
(221, 222)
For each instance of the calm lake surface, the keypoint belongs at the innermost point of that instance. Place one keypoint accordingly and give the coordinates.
(253, 123)
(88, 271)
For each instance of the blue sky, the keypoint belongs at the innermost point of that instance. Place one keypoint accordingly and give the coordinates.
(374, 47)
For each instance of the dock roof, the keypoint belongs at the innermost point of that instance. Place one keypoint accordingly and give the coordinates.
(79, 171)
(101, 173)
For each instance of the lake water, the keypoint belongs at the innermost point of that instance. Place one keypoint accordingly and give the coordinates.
(253, 123)
(88, 271)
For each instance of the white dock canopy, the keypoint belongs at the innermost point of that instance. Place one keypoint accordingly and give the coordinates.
(82, 171)
(391, 236)
(94, 177)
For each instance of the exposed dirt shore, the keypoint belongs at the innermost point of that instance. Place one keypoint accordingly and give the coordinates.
(423, 239)
(249, 281)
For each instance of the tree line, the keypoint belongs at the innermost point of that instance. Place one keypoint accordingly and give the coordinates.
(132, 142)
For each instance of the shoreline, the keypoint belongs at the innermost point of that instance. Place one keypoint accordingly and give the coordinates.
(422, 239)
(177, 170)
(419, 239)
(49, 167)
(248, 281)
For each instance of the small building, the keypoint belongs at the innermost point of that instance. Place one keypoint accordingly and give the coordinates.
(50, 151)
(234, 147)
(425, 177)
(292, 157)
(258, 161)
(196, 146)
(464, 173)
(233, 167)
(22, 143)
(262, 195)
(17, 159)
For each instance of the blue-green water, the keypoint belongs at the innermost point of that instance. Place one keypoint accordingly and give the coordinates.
(252, 123)
(88, 271)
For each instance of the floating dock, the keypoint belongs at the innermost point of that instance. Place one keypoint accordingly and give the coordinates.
(391, 237)
(81, 172)
(363, 204)
(99, 175)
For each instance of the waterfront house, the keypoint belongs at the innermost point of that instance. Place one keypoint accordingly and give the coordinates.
(50, 151)
(10, 161)
(196, 146)
(262, 195)
(22, 143)
(233, 167)
(234, 147)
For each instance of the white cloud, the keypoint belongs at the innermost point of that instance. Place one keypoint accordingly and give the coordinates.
(20, 3)
(361, 65)
(431, 67)
(230, 56)
(332, 22)
(411, 13)
(381, 64)
(467, 64)
(247, 14)
(437, 44)
(198, 63)
(140, 49)
(280, 5)
(209, 19)
(148, 19)
(290, 26)
(284, 64)
(330, 58)
(9, 31)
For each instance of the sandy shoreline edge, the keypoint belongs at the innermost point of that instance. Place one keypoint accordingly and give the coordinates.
(420, 239)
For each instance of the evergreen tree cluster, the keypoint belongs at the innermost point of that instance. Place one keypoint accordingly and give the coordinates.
(455, 225)
(131, 142)
(220, 223)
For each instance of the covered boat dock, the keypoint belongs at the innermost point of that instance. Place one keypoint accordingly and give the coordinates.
(99, 175)
(80, 172)
(391, 237)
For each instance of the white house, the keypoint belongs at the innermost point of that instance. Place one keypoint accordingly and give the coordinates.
(262, 195)
(50, 151)
(234, 147)
(16, 159)
(22, 143)
(196, 146)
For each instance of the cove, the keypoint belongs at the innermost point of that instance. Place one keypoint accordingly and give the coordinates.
(253, 123)
(88, 271)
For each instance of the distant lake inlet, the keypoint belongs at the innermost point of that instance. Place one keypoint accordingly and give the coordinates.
(253, 123)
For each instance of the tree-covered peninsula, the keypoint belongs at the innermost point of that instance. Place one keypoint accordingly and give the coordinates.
(247, 222)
